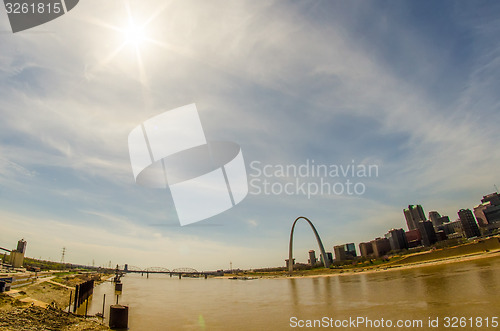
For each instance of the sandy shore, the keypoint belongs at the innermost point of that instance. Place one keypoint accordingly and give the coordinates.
(388, 267)
(481, 249)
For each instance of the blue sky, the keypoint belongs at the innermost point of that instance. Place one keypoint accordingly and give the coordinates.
(411, 86)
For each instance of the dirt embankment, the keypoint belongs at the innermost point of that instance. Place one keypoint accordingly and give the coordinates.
(39, 306)
(479, 247)
(20, 318)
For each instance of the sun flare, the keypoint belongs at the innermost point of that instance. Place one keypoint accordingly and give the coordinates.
(134, 34)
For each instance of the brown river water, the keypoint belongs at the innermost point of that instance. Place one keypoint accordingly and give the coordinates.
(456, 296)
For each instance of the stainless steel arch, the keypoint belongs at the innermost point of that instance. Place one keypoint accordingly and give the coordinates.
(326, 261)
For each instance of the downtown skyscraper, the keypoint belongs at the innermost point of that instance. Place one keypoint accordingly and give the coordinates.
(414, 215)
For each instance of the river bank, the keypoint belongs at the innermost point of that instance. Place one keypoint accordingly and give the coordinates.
(485, 248)
(394, 267)
(41, 306)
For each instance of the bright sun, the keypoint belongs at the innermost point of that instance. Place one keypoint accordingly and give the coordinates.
(134, 34)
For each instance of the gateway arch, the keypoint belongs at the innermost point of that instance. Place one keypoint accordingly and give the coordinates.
(326, 261)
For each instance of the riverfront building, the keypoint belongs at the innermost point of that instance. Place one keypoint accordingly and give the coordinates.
(413, 238)
(345, 252)
(413, 215)
(493, 198)
(435, 218)
(443, 220)
(479, 214)
(366, 249)
(381, 246)
(468, 223)
(350, 250)
(427, 232)
(452, 229)
(312, 258)
(397, 239)
(488, 212)
(492, 214)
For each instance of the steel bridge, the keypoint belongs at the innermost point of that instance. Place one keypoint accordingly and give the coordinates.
(160, 270)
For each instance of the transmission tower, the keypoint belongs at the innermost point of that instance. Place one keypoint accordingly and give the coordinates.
(63, 253)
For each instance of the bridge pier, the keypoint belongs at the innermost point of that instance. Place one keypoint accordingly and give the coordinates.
(170, 275)
(180, 276)
(206, 276)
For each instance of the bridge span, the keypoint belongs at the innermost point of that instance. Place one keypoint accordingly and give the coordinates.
(159, 270)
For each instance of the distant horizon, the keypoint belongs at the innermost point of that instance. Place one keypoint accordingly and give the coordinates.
(263, 267)
(408, 87)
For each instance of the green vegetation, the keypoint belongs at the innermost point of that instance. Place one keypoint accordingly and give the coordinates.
(49, 265)
(65, 273)
(45, 265)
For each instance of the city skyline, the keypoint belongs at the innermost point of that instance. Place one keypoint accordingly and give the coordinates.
(396, 237)
(409, 87)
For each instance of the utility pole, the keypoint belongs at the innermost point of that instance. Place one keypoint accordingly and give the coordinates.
(231, 266)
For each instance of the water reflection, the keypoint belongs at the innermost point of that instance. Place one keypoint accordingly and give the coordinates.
(328, 290)
(460, 289)
(293, 291)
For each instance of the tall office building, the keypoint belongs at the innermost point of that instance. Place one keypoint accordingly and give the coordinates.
(468, 223)
(413, 215)
(397, 239)
(427, 232)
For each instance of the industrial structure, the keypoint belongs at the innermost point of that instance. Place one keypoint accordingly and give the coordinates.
(16, 258)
